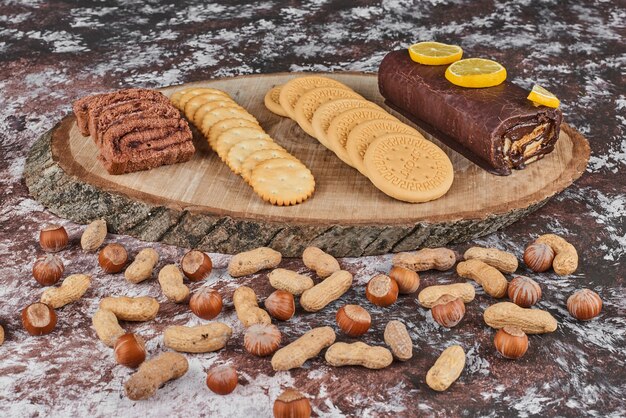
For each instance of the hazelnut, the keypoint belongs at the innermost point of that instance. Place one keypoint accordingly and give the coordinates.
(408, 280)
(524, 291)
(48, 269)
(206, 303)
(113, 258)
(353, 320)
(222, 379)
(448, 310)
(130, 350)
(53, 238)
(382, 290)
(261, 339)
(538, 257)
(584, 304)
(511, 342)
(196, 265)
(39, 318)
(292, 404)
(280, 305)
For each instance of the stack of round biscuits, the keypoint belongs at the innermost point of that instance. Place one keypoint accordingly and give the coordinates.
(238, 139)
(394, 156)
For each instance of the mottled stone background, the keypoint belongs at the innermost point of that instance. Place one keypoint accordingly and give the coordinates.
(54, 52)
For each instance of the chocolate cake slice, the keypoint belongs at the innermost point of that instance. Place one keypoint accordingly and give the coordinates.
(134, 129)
(497, 128)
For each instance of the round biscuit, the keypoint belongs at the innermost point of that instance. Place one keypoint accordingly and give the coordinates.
(272, 103)
(196, 91)
(175, 97)
(296, 87)
(226, 124)
(282, 181)
(342, 124)
(366, 132)
(221, 113)
(242, 149)
(209, 106)
(193, 104)
(326, 112)
(408, 168)
(310, 101)
(228, 138)
(256, 157)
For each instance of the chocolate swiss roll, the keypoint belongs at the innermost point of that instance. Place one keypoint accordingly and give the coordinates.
(497, 128)
(134, 129)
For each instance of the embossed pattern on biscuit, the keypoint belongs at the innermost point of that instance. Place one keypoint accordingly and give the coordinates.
(366, 132)
(272, 102)
(408, 168)
(310, 101)
(342, 124)
(326, 112)
(293, 89)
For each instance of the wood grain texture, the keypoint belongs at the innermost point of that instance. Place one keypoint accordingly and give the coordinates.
(202, 204)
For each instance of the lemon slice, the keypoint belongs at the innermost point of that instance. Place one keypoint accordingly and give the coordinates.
(541, 96)
(476, 73)
(435, 53)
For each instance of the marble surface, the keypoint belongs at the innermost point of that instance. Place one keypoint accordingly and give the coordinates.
(54, 52)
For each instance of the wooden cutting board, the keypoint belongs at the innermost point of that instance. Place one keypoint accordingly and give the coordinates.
(202, 204)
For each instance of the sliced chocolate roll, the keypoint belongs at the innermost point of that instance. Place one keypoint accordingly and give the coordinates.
(134, 129)
(88, 108)
(149, 149)
(140, 108)
(143, 143)
(497, 128)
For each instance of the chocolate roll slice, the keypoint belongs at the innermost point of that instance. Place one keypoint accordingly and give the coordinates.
(497, 128)
(88, 108)
(140, 108)
(141, 143)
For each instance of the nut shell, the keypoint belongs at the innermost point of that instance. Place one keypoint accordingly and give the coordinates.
(113, 258)
(196, 265)
(448, 311)
(292, 404)
(408, 280)
(511, 342)
(94, 235)
(538, 257)
(39, 318)
(206, 303)
(280, 305)
(53, 238)
(222, 379)
(262, 339)
(48, 269)
(524, 291)
(353, 320)
(130, 350)
(382, 290)
(584, 305)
